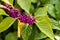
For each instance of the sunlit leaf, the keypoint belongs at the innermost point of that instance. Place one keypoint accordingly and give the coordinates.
(2, 12)
(6, 23)
(25, 4)
(33, 1)
(8, 1)
(41, 11)
(44, 24)
(11, 1)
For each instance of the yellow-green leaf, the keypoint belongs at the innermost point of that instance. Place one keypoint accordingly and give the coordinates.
(33, 1)
(25, 4)
(6, 23)
(11, 1)
(8, 1)
(44, 24)
(2, 12)
(41, 11)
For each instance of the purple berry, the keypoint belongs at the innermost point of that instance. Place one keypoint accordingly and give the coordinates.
(15, 13)
(12, 12)
(27, 19)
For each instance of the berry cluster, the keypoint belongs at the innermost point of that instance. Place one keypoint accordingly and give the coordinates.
(27, 19)
(15, 13)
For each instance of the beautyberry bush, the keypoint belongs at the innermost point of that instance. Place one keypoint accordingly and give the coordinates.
(29, 20)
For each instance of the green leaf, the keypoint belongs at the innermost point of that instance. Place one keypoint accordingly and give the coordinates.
(57, 6)
(34, 32)
(44, 24)
(16, 5)
(7, 1)
(15, 25)
(11, 36)
(32, 9)
(38, 3)
(40, 36)
(41, 11)
(53, 1)
(33, 1)
(11, 1)
(44, 2)
(26, 32)
(2, 12)
(1, 18)
(25, 4)
(51, 10)
(6, 23)
(56, 24)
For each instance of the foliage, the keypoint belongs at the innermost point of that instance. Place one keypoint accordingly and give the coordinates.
(47, 20)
